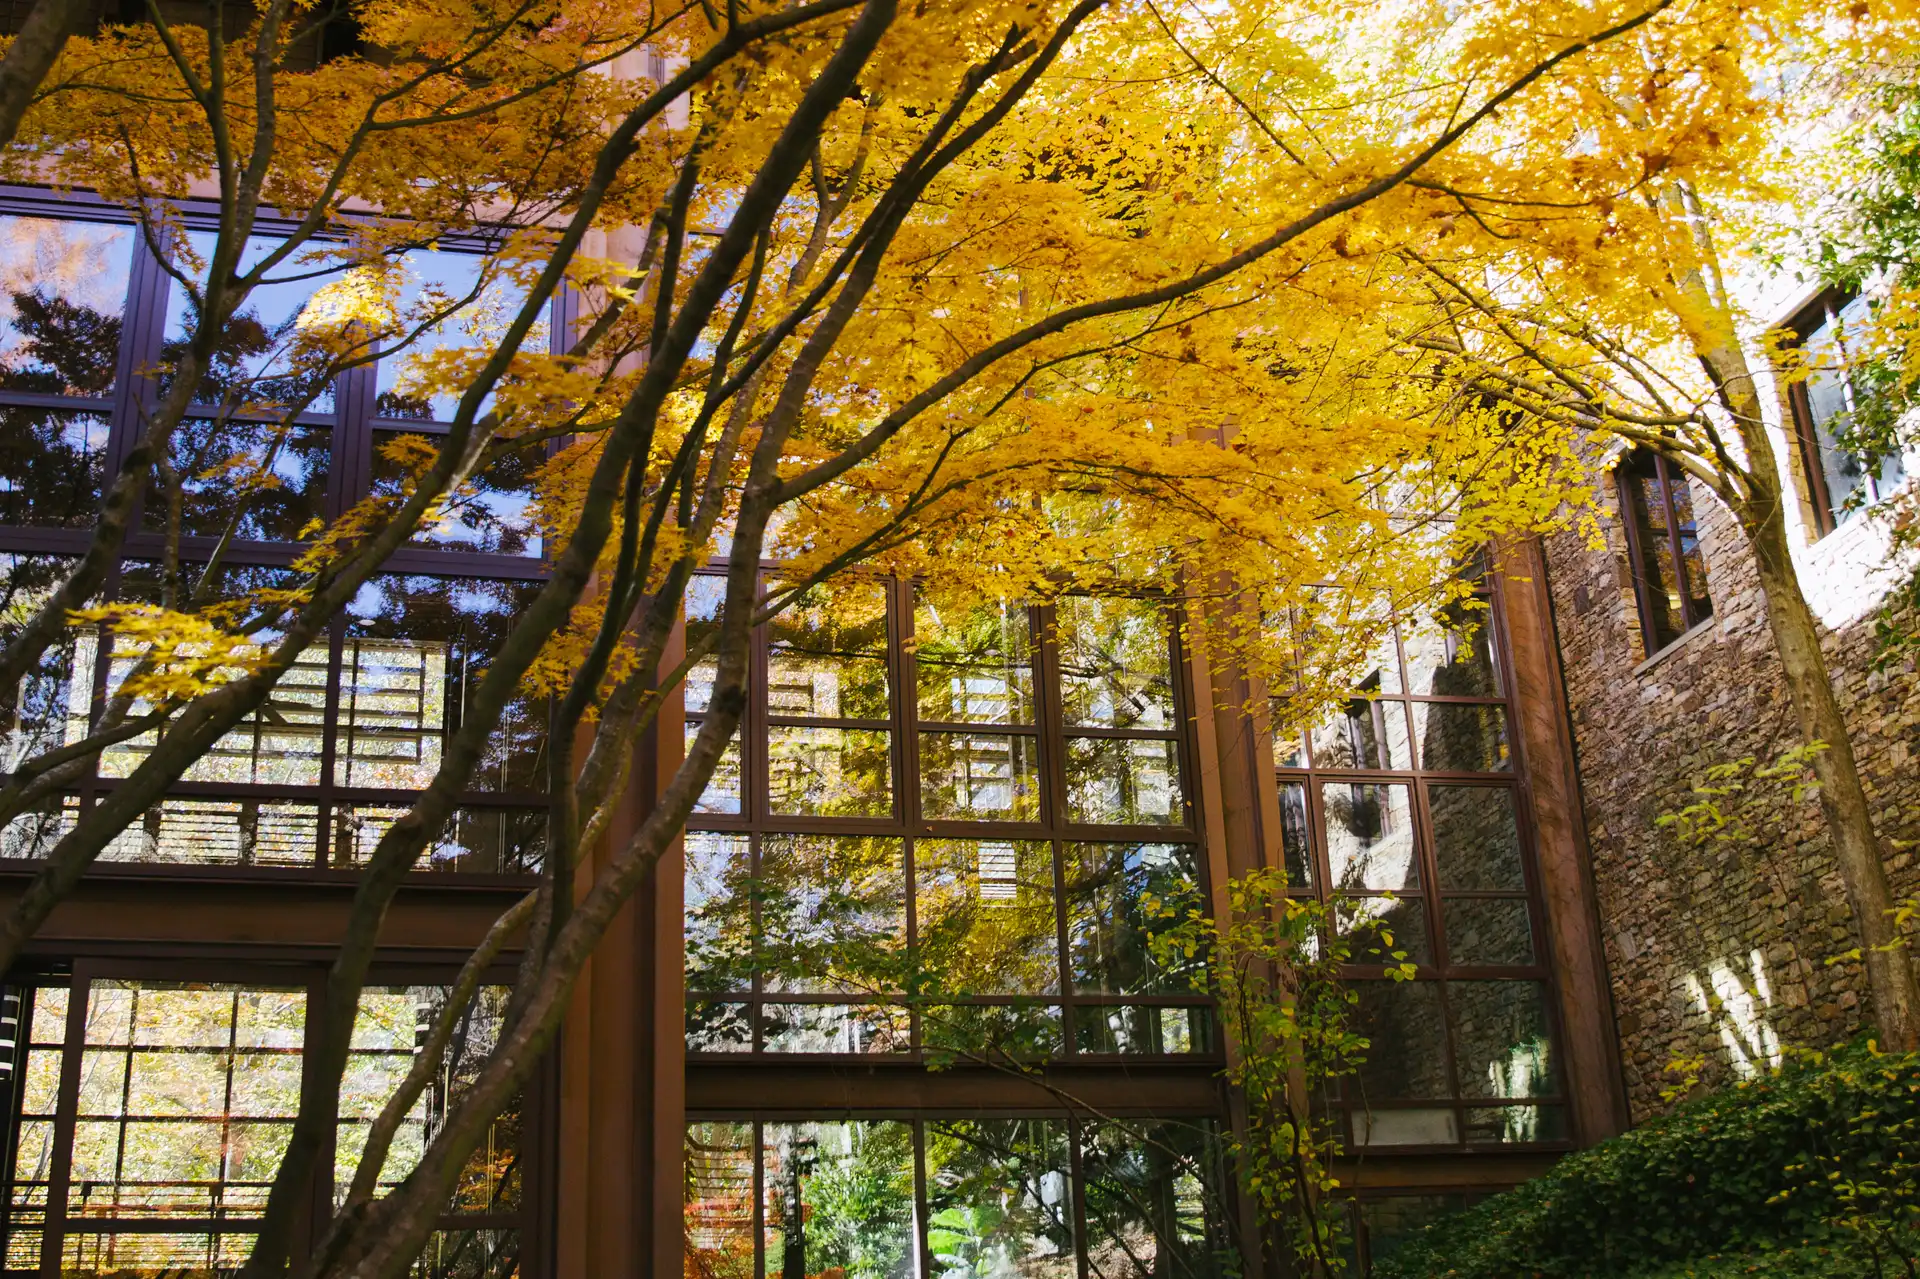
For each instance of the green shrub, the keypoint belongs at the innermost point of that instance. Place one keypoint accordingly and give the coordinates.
(1823, 1153)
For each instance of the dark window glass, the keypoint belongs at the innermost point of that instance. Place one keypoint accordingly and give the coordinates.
(1488, 930)
(1141, 1030)
(1476, 839)
(1153, 1199)
(52, 466)
(1119, 896)
(1669, 568)
(1389, 1224)
(1461, 737)
(63, 294)
(416, 651)
(1501, 1043)
(230, 477)
(1402, 1022)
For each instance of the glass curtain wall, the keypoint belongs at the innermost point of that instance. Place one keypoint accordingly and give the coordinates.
(1402, 809)
(266, 457)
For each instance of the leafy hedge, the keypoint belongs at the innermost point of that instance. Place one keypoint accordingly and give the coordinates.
(1766, 1165)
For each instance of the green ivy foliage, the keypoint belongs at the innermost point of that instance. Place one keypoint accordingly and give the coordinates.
(1813, 1170)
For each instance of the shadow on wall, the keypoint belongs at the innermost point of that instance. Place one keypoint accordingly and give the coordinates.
(1738, 1006)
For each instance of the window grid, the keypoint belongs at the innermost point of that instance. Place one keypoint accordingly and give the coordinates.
(1663, 544)
(299, 803)
(1415, 1092)
(1062, 1019)
(1816, 403)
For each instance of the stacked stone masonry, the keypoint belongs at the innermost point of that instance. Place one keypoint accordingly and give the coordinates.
(1719, 952)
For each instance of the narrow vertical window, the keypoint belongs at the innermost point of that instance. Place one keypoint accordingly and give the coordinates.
(1826, 405)
(1663, 539)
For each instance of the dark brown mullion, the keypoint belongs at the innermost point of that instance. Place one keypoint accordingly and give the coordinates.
(142, 333)
(808, 721)
(1668, 478)
(1428, 856)
(904, 704)
(66, 1104)
(56, 402)
(1807, 436)
(756, 796)
(14, 1099)
(1632, 506)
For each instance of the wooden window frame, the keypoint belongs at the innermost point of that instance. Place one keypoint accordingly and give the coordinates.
(1633, 518)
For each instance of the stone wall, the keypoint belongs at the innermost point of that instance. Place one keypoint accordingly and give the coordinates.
(1719, 951)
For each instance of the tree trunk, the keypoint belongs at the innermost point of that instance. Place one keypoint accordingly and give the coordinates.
(31, 55)
(1843, 800)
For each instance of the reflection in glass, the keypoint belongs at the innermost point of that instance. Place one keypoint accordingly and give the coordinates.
(1406, 1126)
(448, 303)
(1509, 1125)
(719, 1201)
(416, 651)
(262, 481)
(973, 666)
(1476, 840)
(999, 1199)
(491, 512)
(1024, 1030)
(979, 777)
(186, 1100)
(1402, 1022)
(1154, 1200)
(839, 1197)
(723, 790)
(43, 1012)
(1116, 663)
(480, 841)
(1488, 930)
(1452, 655)
(1363, 733)
(818, 771)
(1137, 1030)
(274, 351)
(832, 913)
(52, 466)
(392, 1022)
(844, 1029)
(1460, 737)
(985, 917)
(1500, 1038)
(714, 1027)
(1126, 781)
(829, 654)
(1370, 836)
(220, 832)
(1382, 928)
(48, 708)
(63, 292)
(1296, 845)
(719, 912)
(1119, 896)
(706, 592)
(1391, 1222)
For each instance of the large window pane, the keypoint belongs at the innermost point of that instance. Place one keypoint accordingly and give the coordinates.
(44, 1031)
(829, 654)
(719, 1201)
(974, 666)
(221, 832)
(1488, 930)
(63, 293)
(230, 477)
(479, 841)
(1116, 663)
(719, 912)
(979, 777)
(417, 649)
(1296, 841)
(1364, 732)
(273, 352)
(999, 1199)
(723, 792)
(1476, 839)
(1123, 781)
(1460, 737)
(49, 707)
(387, 1033)
(829, 772)
(1155, 1208)
(492, 512)
(1119, 897)
(1500, 1038)
(832, 913)
(187, 1097)
(985, 917)
(449, 305)
(839, 1197)
(1452, 655)
(1141, 1030)
(1382, 928)
(1370, 836)
(843, 1029)
(1407, 1041)
(278, 744)
(52, 466)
